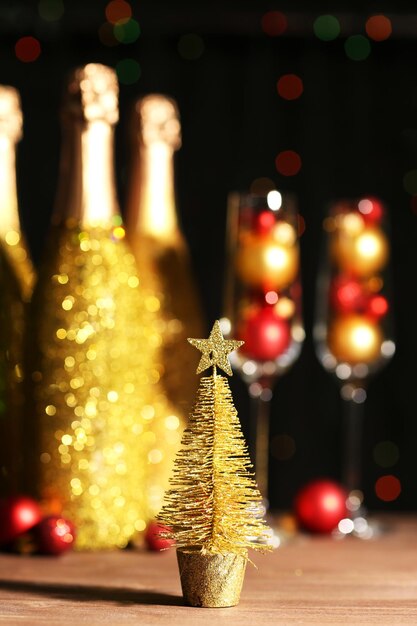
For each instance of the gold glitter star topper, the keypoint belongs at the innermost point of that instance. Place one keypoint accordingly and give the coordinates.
(215, 350)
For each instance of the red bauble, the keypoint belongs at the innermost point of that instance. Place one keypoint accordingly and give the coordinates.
(54, 535)
(347, 295)
(153, 539)
(18, 514)
(320, 505)
(264, 222)
(266, 334)
(371, 210)
(377, 307)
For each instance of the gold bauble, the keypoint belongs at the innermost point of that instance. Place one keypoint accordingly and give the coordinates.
(363, 253)
(355, 339)
(262, 261)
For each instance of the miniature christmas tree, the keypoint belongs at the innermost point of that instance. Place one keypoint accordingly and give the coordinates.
(214, 507)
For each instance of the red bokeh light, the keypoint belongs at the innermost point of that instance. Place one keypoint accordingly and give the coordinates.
(378, 27)
(378, 306)
(388, 488)
(301, 224)
(274, 23)
(118, 11)
(290, 86)
(288, 163)
(27, 49)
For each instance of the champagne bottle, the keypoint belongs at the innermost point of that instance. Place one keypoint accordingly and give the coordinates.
(16, 281)
(163, 260)
(92, 383)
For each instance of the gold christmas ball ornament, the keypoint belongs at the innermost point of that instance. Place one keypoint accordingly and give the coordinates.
(363, 253)
(266, 262)
(355, 339)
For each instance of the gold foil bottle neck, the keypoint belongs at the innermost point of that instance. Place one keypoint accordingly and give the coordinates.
(11, 119)
(159, 120)
(86, 189)
(92, 94)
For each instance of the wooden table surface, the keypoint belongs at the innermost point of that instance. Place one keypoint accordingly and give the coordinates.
(308, 580)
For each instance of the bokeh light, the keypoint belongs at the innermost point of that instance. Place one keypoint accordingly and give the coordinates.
(274, 23)
(413, 204)
(288, 163)
(410, 182)
(290, 86)
(128, 71)
(301, 224)
(118, 11)
(378, 306)
(357, 47)
(271, 297)
(378, 27)
(326, 27)
(388, 488)
(51, 10)
(127, 31)
(106, 35)
(283, 447)
(27, 49)
(386, 453)
(190, 46)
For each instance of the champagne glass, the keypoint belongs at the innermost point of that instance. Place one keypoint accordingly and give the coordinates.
(353, 329)
(262, 304)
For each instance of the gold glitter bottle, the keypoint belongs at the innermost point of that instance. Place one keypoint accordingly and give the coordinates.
(163, 260)
(90, 371)
(16, 280)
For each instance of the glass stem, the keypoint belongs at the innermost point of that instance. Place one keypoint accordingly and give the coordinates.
(259, 426)
(353, 426)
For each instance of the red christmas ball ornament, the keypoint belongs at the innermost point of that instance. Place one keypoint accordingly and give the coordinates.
(264, 222)
(320, 505)
(266, 334)
(18, 514)
(54, 535)
(377, 307)
(371, 210)
(347, 295)
(153, 538)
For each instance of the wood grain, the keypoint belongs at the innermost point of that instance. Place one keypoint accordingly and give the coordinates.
(309, 580)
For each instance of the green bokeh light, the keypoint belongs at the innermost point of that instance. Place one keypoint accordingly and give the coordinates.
(410, 182)
(357, 47)
(51, 10)
(191, 47)
(326, 27)
(128, 71)
(386, 453)
(127, 32)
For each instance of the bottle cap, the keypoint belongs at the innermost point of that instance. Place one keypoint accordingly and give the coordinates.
(92, 93)
(159, 120)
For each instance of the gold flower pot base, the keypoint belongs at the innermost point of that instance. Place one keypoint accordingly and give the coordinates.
(211, 580)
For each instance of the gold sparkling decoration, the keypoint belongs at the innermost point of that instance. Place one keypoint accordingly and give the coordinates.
(166, 279)
(215, 350)
(91, 381)
(213, 505)
(16, 281)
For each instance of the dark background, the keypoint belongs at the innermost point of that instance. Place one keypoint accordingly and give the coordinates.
(355, 128)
